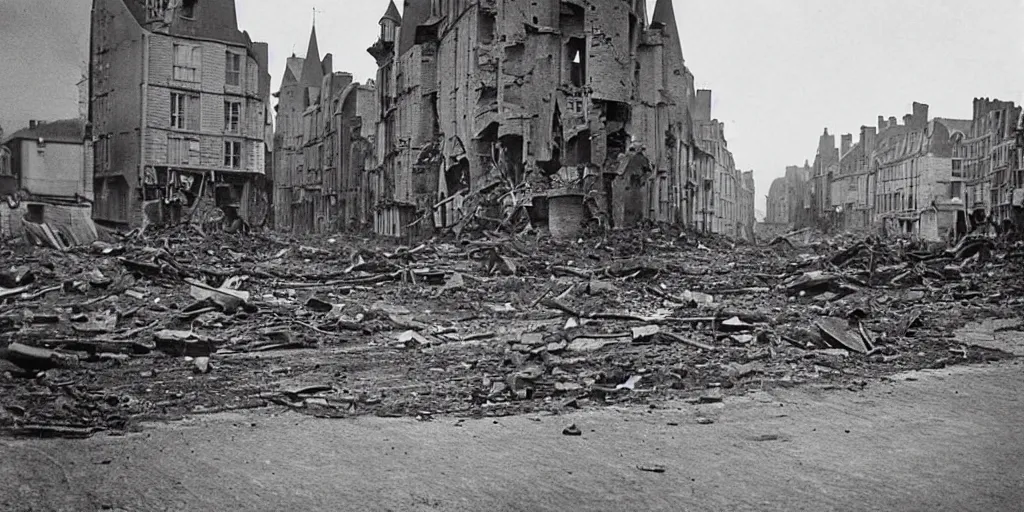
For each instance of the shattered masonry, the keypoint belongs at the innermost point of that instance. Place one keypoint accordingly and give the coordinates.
(551, 100)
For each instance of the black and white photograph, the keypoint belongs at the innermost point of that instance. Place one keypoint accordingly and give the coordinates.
(511, 255)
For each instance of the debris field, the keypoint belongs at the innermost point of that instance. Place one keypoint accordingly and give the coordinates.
(164, 325)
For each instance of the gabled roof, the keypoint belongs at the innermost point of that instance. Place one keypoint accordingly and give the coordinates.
(392, 14)
(66, 130)
(293, 70)
(214, 20)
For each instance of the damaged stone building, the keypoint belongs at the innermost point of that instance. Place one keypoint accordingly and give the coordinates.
(826, 166)
(179, 103)
(851, 188)
(989, 159)
(570, 109)
(790, 198)
(914, 186)
(324, 145)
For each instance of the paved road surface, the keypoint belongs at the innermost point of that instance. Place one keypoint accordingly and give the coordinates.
(946, 440)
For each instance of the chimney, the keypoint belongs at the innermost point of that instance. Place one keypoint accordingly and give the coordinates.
(893, 122)
(845, 143)
(920, 114)
(881, 123)
(867, 138)
(32, 124)
(702, 109)
(908, 120)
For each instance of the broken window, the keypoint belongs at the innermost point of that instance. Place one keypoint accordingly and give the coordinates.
(232, 116)
(486, 27)
(577, 51)
(187, 63)
(233, 69)
(188, 8)
(233, 154)
(571, 19)
(578, 149)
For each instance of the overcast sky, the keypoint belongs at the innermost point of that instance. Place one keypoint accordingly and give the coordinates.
(781, 70)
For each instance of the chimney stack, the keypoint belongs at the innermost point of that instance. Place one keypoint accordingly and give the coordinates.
(893, 122)
(32, 124)
(920, 114)
(881, 123)
(846, 142)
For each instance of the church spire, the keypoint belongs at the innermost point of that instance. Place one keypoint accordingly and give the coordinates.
(312, 67)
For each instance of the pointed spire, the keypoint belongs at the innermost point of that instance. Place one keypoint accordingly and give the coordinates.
(312, 68)
(392, 14)
(664, 14)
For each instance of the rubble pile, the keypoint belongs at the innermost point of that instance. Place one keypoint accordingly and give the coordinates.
(160, 326)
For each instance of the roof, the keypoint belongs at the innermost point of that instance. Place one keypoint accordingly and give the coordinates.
(66, 130)
(392, 13)
(415, 13)
(293, 69)
(955, 125)
(664, 14)
(214, 20)
(312, 67)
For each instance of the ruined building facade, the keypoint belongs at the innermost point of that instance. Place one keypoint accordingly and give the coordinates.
(323, 143)
(545, 99)
(914, 188)
(851, 196)
(179, 112)
(989, 159)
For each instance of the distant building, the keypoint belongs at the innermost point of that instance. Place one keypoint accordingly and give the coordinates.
(324, 146)
(851, 188)
(47, 161)
(46, 184)
(916, 192)
(826, 165)
(746, 200)
(988, 157)
(179, 107)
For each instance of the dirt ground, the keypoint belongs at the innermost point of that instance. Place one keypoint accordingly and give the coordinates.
(950, 439)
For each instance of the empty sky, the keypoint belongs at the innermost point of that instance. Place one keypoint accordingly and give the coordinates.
(781, 70)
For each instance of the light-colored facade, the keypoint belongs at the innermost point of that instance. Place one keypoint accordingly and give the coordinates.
(179, 108)
(915, 191)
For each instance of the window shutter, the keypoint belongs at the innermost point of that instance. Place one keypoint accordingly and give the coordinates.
(172, 151)
(194, 113)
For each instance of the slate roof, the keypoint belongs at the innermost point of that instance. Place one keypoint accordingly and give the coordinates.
(66, 130)
(214, 20)
(392, 13)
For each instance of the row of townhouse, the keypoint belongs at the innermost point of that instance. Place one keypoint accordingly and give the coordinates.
(932, 178)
